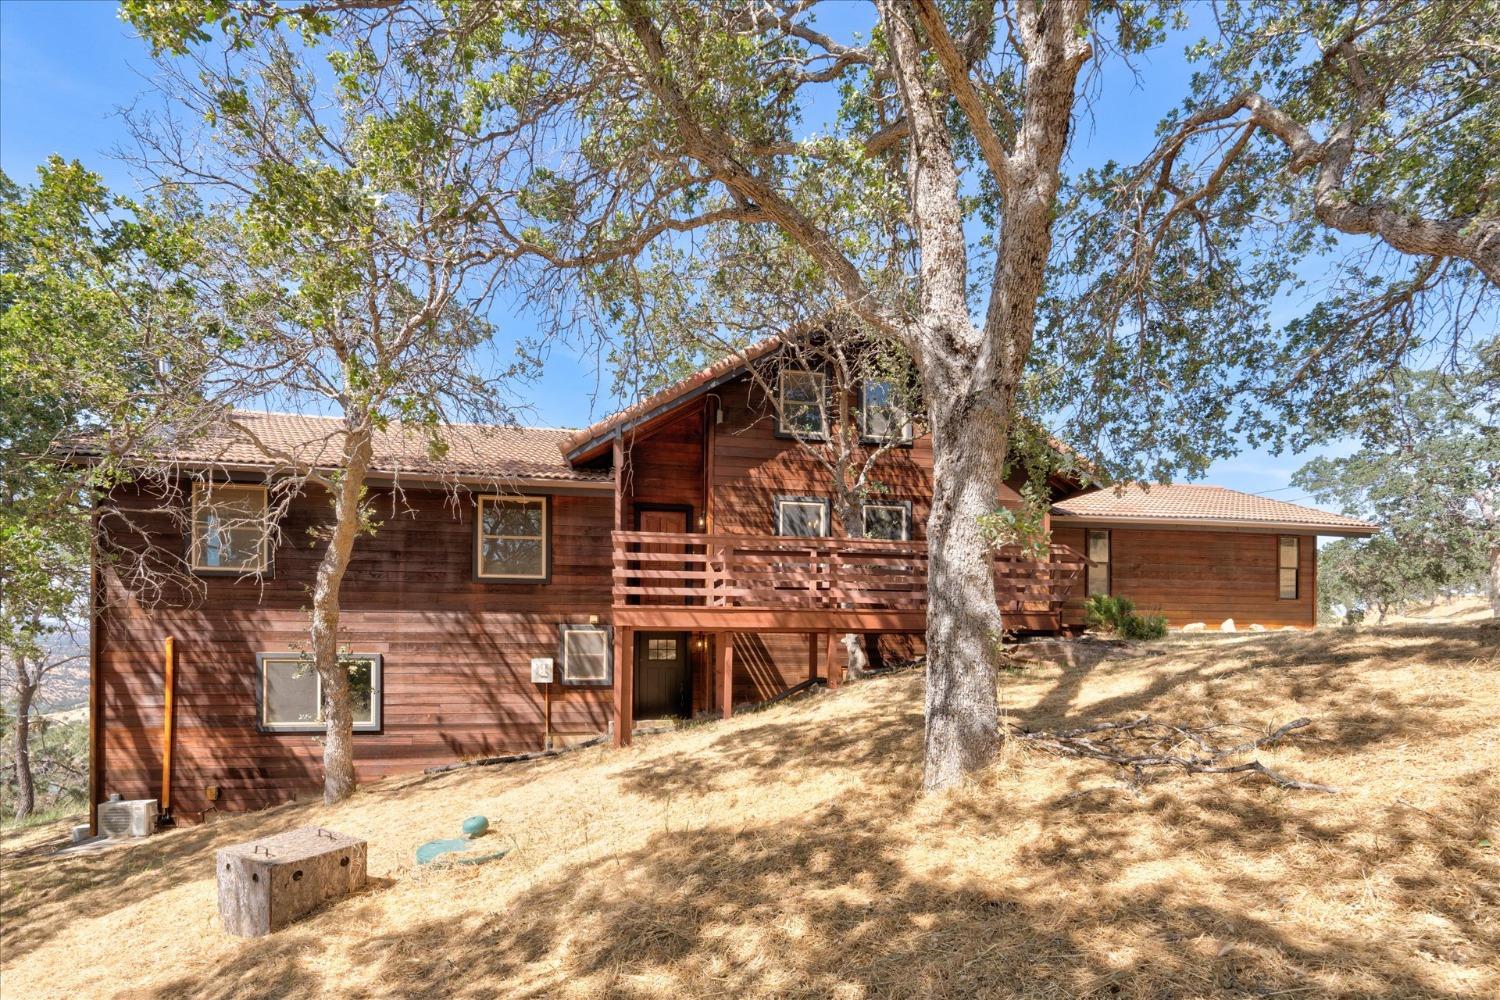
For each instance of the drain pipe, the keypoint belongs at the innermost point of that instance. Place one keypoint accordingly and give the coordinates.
(169, 652)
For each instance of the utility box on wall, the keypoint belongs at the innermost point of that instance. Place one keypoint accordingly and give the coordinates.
(266, 884)
(541, 670)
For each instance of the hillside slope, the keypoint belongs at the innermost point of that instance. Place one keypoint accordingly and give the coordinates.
(787, 853)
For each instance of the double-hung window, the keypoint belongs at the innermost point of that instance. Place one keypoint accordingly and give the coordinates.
(1288, 551)
(800, 408)
(290, 692)
(887, 520)
(586, 655)
(513, 538)
(802, 517)
(229, 528)
(1097, 556)
(881, 417)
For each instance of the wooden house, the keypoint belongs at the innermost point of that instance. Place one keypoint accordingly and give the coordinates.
(680, 557)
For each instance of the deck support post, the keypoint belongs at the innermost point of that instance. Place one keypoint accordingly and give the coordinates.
(624, 686)
(725, 653)
(835, 666)
(812, 656)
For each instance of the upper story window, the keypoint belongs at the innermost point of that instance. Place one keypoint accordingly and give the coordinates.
(229, 528)
(1097, 555)
(881, 417)
(888, 521)
(802, 517)
(800, 408)
(1288, 552)
(513, 538)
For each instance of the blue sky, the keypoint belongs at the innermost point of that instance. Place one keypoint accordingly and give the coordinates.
(67, 68)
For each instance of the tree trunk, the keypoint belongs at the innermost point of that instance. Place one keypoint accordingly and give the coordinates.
(338, 715)
(963, 619)
(1495, 581)
(25, 786)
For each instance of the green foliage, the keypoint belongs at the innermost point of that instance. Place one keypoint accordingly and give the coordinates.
(1110, 613)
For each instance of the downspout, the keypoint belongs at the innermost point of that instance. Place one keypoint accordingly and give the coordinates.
(94, 699)
(169, 654)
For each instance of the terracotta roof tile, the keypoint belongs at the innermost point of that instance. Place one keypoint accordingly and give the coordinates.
(474, 450)
(1210, 504)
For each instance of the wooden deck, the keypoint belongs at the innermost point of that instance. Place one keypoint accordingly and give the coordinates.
(824, 587)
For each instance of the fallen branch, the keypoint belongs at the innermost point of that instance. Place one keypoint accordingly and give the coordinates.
(1157, 744)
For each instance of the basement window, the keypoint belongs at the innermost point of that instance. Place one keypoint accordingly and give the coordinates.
(229, 528)
(289, 692)
(799, 409)
(887, 521)
(1097, 556)
(1288, 552)
(513, 538)
(586, 655)
(802, 517)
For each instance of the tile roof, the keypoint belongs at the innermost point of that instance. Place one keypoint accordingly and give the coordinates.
(474, 450)
(1181, 502)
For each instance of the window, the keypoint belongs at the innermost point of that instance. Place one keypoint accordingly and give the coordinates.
(800, 408)
(881, 418)
(1287, 555)
(888, 521)
(1097, 574)
(229, 528)
(512, 541)
(802, 517)
(291, 692)
(664, 650)
(586, 655)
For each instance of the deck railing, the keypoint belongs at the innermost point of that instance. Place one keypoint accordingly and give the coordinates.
(662, 569)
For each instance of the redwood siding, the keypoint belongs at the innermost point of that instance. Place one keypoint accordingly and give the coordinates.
(666, 467)
(456, 651)
(1203, 576)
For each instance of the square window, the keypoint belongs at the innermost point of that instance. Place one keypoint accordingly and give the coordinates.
(586, 655)
(291, 692)
(229, 528)
(800, 408)
(512, 538)
(802, 518)
(887, 521)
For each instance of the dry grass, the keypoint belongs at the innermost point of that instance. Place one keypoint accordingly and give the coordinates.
(787, 854)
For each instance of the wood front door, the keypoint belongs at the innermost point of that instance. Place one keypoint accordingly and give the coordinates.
(663, 685)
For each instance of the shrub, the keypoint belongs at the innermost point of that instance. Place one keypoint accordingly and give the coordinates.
(1117, 614)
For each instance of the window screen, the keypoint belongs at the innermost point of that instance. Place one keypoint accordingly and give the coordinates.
(1286, 566)
(1098, 562)
(888, 521)
(291, 692)
(512, 542)
(586, 655)
(229, 528)
(801, 404)
(802, 518)
(881, 418)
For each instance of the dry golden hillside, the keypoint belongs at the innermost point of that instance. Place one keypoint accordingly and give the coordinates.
(786, 853)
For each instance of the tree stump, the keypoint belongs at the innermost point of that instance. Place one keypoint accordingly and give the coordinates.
(269, 883)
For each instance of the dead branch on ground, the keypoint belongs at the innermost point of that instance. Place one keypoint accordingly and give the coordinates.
(1142, 743)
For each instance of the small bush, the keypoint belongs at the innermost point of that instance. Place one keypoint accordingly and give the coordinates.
(1117, 614)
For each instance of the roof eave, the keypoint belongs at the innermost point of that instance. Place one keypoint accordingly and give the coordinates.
(1207, 523)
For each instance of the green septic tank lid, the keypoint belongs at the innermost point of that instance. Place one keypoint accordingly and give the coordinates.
(476, 826)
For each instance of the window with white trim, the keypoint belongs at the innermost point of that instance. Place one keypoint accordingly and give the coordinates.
(290, 692)
(229, 528)
(586, 655)
(800, 406)
(1097, 557)
(802, 517)
(887, 521)
(881, 416)
(1288, 553)
(513, 538)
